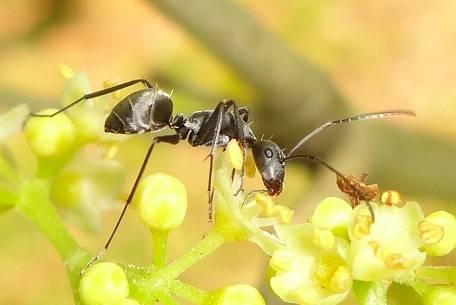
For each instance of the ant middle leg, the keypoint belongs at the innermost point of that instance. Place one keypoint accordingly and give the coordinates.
(170, 139)
(96, 94)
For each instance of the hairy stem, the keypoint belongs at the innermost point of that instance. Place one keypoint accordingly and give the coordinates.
(203, 248)
(159, 246)
(189, 292)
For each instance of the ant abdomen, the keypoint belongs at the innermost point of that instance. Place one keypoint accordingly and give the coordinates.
(141, 111)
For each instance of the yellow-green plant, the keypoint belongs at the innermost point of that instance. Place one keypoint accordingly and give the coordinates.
(338, 250)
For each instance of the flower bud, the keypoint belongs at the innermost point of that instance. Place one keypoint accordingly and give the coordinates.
(49, 137)
(438, 231)
(162, 201)
(102, 284)
(333, 214)
(439, 295)
(237, 295)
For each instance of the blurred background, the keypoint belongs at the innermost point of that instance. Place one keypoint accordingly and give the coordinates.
(296, 64)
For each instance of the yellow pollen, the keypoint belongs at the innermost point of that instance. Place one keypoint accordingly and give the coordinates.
(361, 225)
(323, 273)
(395, 261)
(341, 280)
(430, 233)
(249, 166)
(265, 204)
(392, 198)
(234, 155)
(282, 213)
(379, 251)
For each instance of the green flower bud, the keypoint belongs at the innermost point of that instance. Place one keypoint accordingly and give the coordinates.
(438, 231)
(333, 214)
(49, 137)
(162, 201)
(439, 295)
(239, 294)
(103, 283)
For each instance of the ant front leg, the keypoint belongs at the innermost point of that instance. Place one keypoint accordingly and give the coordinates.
(171, 139)
(96, 94)
(210, 133)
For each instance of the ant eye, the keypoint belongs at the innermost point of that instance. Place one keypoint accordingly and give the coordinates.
(268, 152)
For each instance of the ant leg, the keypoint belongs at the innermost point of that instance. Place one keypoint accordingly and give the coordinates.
(239, 132)
(241, 174)
(171, 139)
(212, 128)
(244, 112)
(361, 117)
(96, 94)
(210, 190)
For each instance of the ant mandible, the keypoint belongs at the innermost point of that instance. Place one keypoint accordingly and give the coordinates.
(150, 110)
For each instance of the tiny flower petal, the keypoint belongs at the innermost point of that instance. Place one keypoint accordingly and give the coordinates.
(333, 214)
(161, 201)
(103, 283)
(49, 137)
(237, 295)
(438, 231)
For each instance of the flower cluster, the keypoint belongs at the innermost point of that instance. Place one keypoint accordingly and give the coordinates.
(317, 262)
(314, 262)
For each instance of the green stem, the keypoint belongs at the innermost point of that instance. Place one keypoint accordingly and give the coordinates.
(204, 247)
(34, 203)
(371, 293)
(164, 297)
(189, 292)
(159, 247)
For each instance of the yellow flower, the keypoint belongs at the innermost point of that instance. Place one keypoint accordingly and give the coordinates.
(311, 268)
(438, 231)
(238, 219)
(389, 247)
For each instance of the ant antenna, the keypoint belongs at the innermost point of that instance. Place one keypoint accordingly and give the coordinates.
(361, 117)
(354, 184)
(317, 160)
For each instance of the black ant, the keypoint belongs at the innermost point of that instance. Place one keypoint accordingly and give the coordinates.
(150, 110)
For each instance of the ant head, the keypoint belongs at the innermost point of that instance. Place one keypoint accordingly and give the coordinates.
(270, 162)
